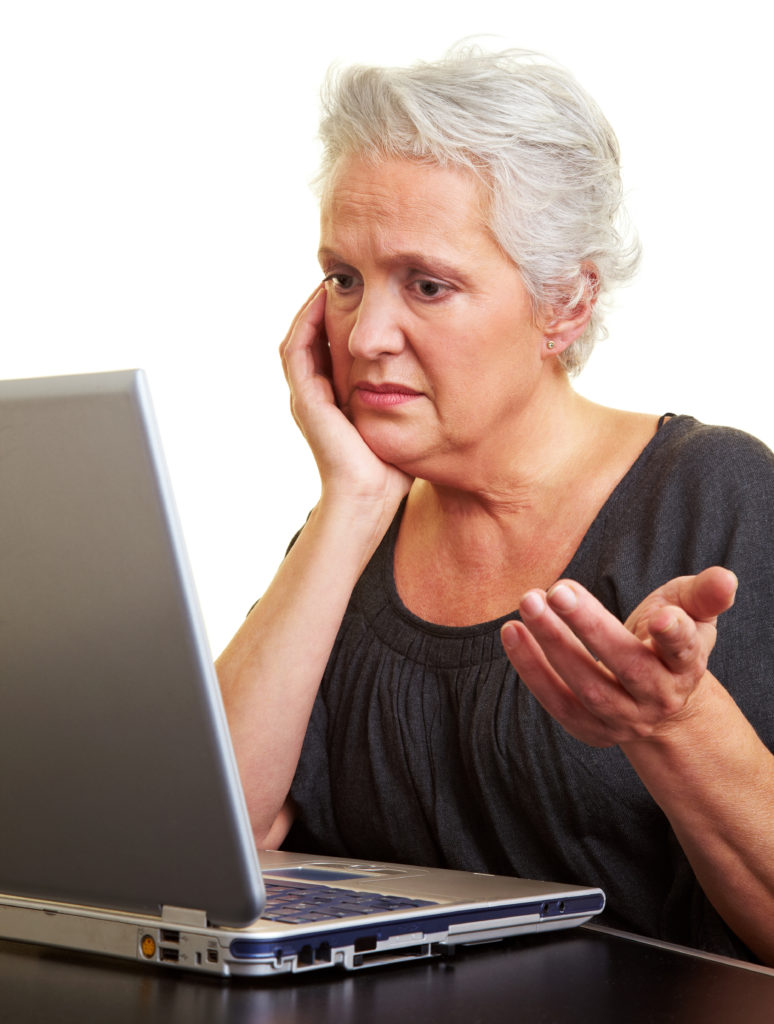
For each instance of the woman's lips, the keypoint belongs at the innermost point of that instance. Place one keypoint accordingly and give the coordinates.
(384, 396)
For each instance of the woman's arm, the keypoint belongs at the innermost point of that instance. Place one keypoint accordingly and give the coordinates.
(650, 693)
(271, 670)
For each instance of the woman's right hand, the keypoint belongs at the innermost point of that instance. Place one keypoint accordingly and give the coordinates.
(347, 466)
(271, 671)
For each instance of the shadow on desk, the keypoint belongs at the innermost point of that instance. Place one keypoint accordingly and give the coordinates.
(584, 976)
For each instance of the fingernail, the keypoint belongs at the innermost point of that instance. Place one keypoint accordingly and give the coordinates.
(509, 635)
(665, 626)
(563, 598)
(532, 604)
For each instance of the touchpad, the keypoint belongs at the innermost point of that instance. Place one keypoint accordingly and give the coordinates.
(313, 874)
(321, 873)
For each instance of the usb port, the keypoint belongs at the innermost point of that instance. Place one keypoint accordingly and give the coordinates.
(168, 955)
(167, 935)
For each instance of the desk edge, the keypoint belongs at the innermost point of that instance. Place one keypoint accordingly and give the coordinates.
(685, 950)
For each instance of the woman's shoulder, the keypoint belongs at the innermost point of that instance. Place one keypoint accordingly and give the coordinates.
(698, 495)
(694, 484)
(685, 449)
(687, 431)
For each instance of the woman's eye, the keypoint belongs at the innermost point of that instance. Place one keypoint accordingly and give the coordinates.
(430, 289)
(342, 281)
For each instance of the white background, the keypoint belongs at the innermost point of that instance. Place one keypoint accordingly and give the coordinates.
(155, 212)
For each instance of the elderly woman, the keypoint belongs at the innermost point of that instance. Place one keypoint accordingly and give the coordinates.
(415, 685)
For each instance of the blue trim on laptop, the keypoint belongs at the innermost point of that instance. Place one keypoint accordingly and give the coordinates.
(279, 947)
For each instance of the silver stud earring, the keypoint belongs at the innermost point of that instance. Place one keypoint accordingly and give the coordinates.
(550, 344)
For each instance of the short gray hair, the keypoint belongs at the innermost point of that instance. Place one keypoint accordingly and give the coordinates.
(546, 153)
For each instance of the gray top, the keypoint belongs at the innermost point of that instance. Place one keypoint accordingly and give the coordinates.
(425, 747)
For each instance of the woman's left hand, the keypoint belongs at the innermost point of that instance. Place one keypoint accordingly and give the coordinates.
(644, 685)
(608, 682)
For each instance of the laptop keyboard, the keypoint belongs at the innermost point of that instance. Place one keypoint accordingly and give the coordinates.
(298, 903)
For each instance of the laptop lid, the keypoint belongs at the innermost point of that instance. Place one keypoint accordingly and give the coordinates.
(113, 742)
(125, 829)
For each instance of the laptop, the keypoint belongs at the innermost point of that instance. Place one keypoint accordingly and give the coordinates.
(125, 830)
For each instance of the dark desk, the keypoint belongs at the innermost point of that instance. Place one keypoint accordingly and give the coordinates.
(584, 976)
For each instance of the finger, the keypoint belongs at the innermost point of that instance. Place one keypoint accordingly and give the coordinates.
(656, 675)
(306, 325)
(676, 639)
(713, 593)
(305, 353)
(318, 291)
(706, 595)
(634, 666)
(595, 627)
(548, 688)
(568, 647)
(558, 639)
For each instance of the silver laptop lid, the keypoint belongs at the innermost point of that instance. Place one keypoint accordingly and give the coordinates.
(118, 786)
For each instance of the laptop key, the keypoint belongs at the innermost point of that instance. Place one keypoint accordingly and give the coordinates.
(299, 904)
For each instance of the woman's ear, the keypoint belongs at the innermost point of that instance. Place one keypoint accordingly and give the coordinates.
(568, 319)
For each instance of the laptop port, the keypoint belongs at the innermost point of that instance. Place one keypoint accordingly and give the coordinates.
(305, 956)
(168, 955)
(167, 935)
(212, 956)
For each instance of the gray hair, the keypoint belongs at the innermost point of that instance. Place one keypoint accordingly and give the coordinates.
(545, 152)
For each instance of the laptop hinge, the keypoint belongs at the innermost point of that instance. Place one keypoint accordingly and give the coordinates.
(184, 915)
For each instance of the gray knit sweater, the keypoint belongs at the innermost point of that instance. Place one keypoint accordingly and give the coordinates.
(425, 747)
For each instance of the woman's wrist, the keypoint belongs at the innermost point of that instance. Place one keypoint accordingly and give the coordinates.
(356, 522)
(711, 748)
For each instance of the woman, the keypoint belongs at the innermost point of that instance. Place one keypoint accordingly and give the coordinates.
(385, 698)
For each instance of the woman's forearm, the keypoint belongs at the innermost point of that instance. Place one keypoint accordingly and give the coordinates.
(646, 688)
(271, 671)
(714, 780)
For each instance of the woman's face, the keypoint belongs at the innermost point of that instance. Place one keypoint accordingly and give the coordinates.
(433, 343)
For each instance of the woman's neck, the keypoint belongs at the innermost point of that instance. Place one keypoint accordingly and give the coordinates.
(467, 553)
(522, 470)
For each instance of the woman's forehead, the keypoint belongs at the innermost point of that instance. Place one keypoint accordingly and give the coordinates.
(391, 175)
(404, 196)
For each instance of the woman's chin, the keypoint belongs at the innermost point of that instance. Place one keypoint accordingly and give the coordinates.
(393, 445)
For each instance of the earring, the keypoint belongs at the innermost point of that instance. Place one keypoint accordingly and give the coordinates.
(550, 344)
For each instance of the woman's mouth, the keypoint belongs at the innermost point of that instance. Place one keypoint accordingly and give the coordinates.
(383, 396)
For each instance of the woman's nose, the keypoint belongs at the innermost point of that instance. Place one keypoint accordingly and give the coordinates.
(377, 329)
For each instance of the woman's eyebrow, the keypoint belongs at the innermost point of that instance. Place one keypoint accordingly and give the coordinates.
(416, 260)
(435, 265)
(324, 255)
